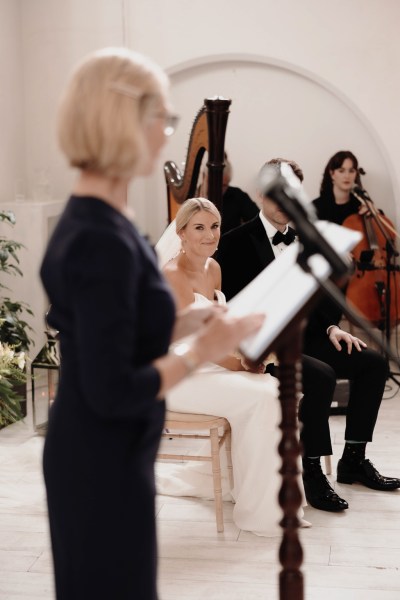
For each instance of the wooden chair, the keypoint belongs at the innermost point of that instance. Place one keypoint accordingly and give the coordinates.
(328, 464)
(188, 426)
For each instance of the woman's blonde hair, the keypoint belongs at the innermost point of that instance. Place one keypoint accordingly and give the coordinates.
(191, 207)
(103, 109)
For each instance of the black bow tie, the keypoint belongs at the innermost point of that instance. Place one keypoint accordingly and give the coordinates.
(287, 238)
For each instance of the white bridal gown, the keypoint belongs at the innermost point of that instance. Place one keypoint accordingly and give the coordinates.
(250, 403)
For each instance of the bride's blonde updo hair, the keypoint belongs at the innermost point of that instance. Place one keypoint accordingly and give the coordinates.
(191, 207)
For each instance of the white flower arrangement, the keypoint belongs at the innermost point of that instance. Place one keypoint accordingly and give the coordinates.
(12, 366)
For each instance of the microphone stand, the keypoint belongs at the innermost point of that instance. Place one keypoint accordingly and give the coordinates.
(388, 299)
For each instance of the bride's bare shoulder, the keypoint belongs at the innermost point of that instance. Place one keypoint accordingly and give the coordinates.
(179, 283)
(171, 266)
(174, 273)
(215, 271)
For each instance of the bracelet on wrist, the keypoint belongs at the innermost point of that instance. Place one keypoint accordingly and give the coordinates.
(331, 327)
(189, 357)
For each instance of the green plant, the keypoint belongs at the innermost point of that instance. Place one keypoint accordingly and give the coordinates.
(11, 373)
(15, 331)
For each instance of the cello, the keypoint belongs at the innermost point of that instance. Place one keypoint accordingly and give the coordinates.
(374, 288)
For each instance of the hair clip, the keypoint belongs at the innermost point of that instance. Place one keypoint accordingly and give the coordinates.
(126, 90)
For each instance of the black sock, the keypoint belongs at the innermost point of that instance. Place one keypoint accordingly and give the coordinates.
(354, 452)
(311, 463)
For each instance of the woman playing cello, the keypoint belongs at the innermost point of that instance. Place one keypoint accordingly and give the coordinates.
(373, 288)
(336, 202)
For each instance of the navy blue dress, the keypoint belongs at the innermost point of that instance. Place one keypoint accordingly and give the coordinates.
(115, 315)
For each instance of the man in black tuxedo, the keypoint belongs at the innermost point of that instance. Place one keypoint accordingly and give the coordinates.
(330, 354)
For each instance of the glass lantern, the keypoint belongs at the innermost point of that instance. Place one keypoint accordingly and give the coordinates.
(45, 373)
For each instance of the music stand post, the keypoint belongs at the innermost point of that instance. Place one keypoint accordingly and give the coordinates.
(291, 580)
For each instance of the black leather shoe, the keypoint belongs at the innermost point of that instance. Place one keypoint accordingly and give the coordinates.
(365, 473)
(320, 494)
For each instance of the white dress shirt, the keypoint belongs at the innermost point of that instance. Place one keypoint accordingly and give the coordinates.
(271, 231)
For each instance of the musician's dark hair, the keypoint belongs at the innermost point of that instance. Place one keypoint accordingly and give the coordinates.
(335, 162)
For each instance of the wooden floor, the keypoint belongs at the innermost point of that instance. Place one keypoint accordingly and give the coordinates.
(350, 556)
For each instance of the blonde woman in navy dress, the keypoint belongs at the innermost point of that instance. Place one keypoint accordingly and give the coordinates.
(116, 319)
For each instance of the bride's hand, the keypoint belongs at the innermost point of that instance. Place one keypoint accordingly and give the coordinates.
(191, 318)
(252, 367)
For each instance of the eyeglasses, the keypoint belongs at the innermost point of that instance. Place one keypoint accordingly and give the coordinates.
(171, 122)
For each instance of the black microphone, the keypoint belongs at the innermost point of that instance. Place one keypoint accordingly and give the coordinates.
(284, 188)
(361, 192)
(280, 180)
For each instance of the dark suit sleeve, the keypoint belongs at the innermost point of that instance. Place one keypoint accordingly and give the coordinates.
(235, 270)
(226, 262)
(324, 314)
(249, 209)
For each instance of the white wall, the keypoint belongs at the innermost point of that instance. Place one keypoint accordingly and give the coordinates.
(41, 40)
(350, 49)
(306, 79)
(333, 66)
(56, 34)
(12, 165)
(292, 115)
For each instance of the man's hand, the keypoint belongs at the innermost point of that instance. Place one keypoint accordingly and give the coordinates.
(337, 335)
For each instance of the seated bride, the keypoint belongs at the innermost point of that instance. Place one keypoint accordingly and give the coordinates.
(249, 400)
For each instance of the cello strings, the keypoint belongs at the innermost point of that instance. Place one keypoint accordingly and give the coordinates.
(371, 207)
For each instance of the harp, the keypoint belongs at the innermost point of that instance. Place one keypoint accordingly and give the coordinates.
(208, 134)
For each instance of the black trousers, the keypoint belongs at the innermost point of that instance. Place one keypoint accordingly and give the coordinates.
(321, 367)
